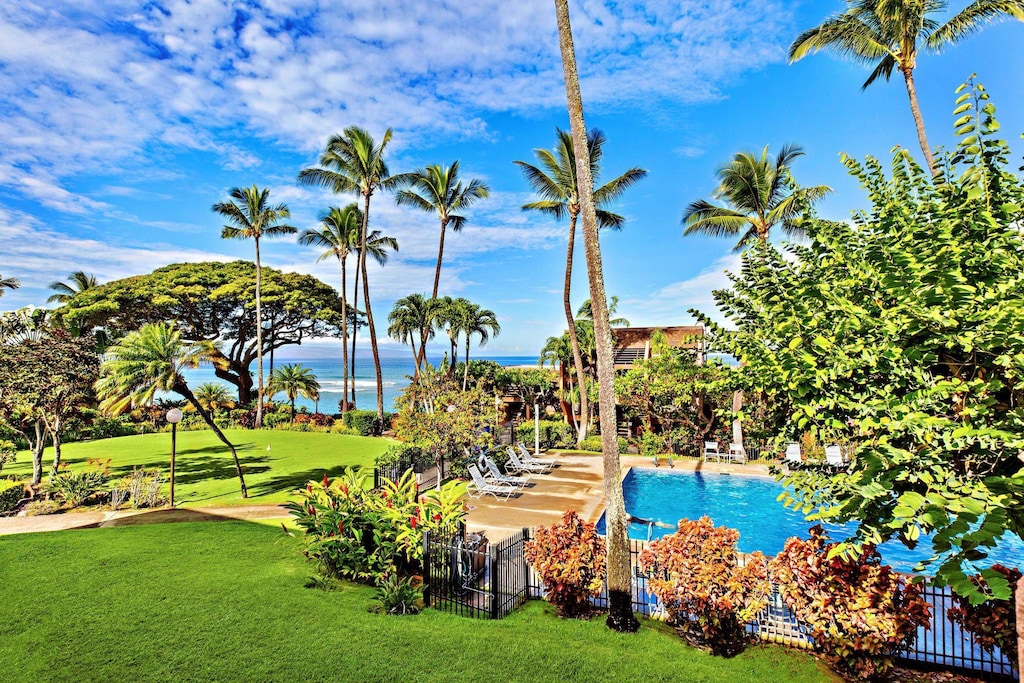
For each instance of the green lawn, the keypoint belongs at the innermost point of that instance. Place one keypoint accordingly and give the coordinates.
(205, 473)
(225, 601)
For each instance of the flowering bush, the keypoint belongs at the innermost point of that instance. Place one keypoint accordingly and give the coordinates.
(859, 611)
(993, 623)
(356, 533)
(569, 556)
(697, 575)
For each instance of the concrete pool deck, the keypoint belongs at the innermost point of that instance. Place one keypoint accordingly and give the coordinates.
(577, 484)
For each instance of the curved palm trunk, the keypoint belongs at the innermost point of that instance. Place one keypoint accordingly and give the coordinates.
(620, 604)
(355, 325)
(344, 339)
(182, 388)
(259, 340)
(908, 78)
(369, 314)
(440, 255)
(574, 341)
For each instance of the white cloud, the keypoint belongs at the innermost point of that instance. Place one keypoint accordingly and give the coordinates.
(669, 304)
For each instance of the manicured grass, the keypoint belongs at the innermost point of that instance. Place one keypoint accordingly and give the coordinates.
(205, 473)
(225, 601)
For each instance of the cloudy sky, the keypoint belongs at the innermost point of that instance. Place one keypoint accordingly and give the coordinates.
(121, 123)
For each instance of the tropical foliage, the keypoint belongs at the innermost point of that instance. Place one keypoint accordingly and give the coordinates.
(294, 380)
(569, 558)
(8, 283)
(64, 292)
(992, 623)
(903, 330)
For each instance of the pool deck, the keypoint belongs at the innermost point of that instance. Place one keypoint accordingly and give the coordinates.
(577, 484)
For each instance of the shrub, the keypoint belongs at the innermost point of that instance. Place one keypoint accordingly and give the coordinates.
(398, 595)
(365, 423)
(321, 420)
(651, 444)
(593, 444)
(103, 427)
(993, 623)
(860, 612)
(553, 434)
(569, 556)
(141, 487)
(8, 452)
(11, 493)
(411, 454)
(42, 507)
(271, 420)
(339, 428)
(74, 488)
(709, 596)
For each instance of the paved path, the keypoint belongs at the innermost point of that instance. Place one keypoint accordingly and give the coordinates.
(92, 520)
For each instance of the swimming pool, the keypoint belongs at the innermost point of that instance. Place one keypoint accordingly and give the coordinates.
(748, 504)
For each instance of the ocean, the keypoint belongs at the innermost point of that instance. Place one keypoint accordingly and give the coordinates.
(395, 372)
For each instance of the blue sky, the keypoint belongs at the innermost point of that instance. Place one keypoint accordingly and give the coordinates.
(121, 124)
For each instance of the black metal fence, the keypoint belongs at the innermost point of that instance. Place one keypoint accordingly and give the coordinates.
(429, 475)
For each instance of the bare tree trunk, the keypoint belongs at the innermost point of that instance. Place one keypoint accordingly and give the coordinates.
(369, 314)
(38, 446)
(344, 339)
(574, 341)
(56, 441)
(259, 340)
(190, 397)
(737, 424)
(908, 78)
(620, 604)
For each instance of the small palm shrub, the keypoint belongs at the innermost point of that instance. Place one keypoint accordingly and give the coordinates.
(859, 611)
(74, 488)
(569, 557)
(709, 595)
(398, 595)
(994, 622)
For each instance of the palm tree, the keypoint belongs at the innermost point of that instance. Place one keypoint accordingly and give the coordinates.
(150, 360)
(890, 34)
(80, 281)
(8, 283)
(759, 194)
(473, 320)
(555, 182)
(294, 380)
(251, 217)
(409, 317)
(214, 397)
(620, 603)
(354, 162)
(338, 236)
(377, 247)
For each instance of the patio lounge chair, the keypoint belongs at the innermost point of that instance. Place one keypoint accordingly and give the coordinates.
(527, 458)
(793, 457)
(711, 451)
(834, 456)
(480, 486)
(492, 472)
(737, 453)
(516, 464)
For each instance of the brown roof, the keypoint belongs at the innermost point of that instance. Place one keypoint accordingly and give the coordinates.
(637, 337)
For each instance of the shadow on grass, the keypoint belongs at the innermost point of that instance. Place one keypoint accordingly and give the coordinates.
(293, 480)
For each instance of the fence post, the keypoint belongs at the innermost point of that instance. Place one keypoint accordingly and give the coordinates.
(494, 581)
(376, 477)
(426, 568)
(526, 565)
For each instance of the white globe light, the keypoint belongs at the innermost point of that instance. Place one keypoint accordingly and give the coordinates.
(174, 416)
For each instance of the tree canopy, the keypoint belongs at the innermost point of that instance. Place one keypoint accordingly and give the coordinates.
(214, 302)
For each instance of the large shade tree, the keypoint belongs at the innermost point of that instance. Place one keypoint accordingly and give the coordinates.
(214, 302)
(353, 162)
(620, 602)
(555, 182)
(337, 237)
(889, 35)
(250, 216)
(150, 360)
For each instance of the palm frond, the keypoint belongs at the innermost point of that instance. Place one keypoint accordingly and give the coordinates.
(972, 18)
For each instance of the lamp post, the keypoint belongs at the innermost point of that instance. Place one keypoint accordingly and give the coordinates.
(173, 417)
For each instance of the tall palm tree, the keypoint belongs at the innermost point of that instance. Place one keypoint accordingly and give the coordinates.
(79, 282)
(250, 216)
(338, 236)
(555, 181)
(354, 162)
(473, 320)
(890, 34)
(759, 194)
(294, 380)
(8, 283)
(378, 245)
(620, 602)
(409, 317)
(215, 397)
(150, 360)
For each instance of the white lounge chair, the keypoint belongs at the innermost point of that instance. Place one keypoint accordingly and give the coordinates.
(737, 453)
(834, 456)
(492, 472)
(711, 451)
(793, 456)
(480, 486)
(528, 458)
(516, 464)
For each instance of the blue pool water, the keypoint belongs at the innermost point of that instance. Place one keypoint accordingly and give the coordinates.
(749, 505)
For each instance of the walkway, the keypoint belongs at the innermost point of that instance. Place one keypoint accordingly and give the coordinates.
(93, 520)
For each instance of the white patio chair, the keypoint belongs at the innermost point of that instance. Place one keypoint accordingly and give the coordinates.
(516, 464)
(480, 487)
(793, 456)
(492, 472)
(527, 458)
(834, 456)
(737, 453)
(711, 451)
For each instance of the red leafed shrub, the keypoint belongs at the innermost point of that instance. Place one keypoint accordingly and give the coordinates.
(697, 575)
(569, 556)
(301, 419)
(860, 612)
(993, 623)
(321, 420)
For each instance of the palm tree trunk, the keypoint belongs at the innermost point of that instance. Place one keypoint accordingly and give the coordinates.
(440, 254)
(369, 314)
(574, 341)
(344, 340)
(355, 324)
(465, 373)
(620, 603)
(908, 78)
(292, 403)
(259, 340)
(183, 389)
